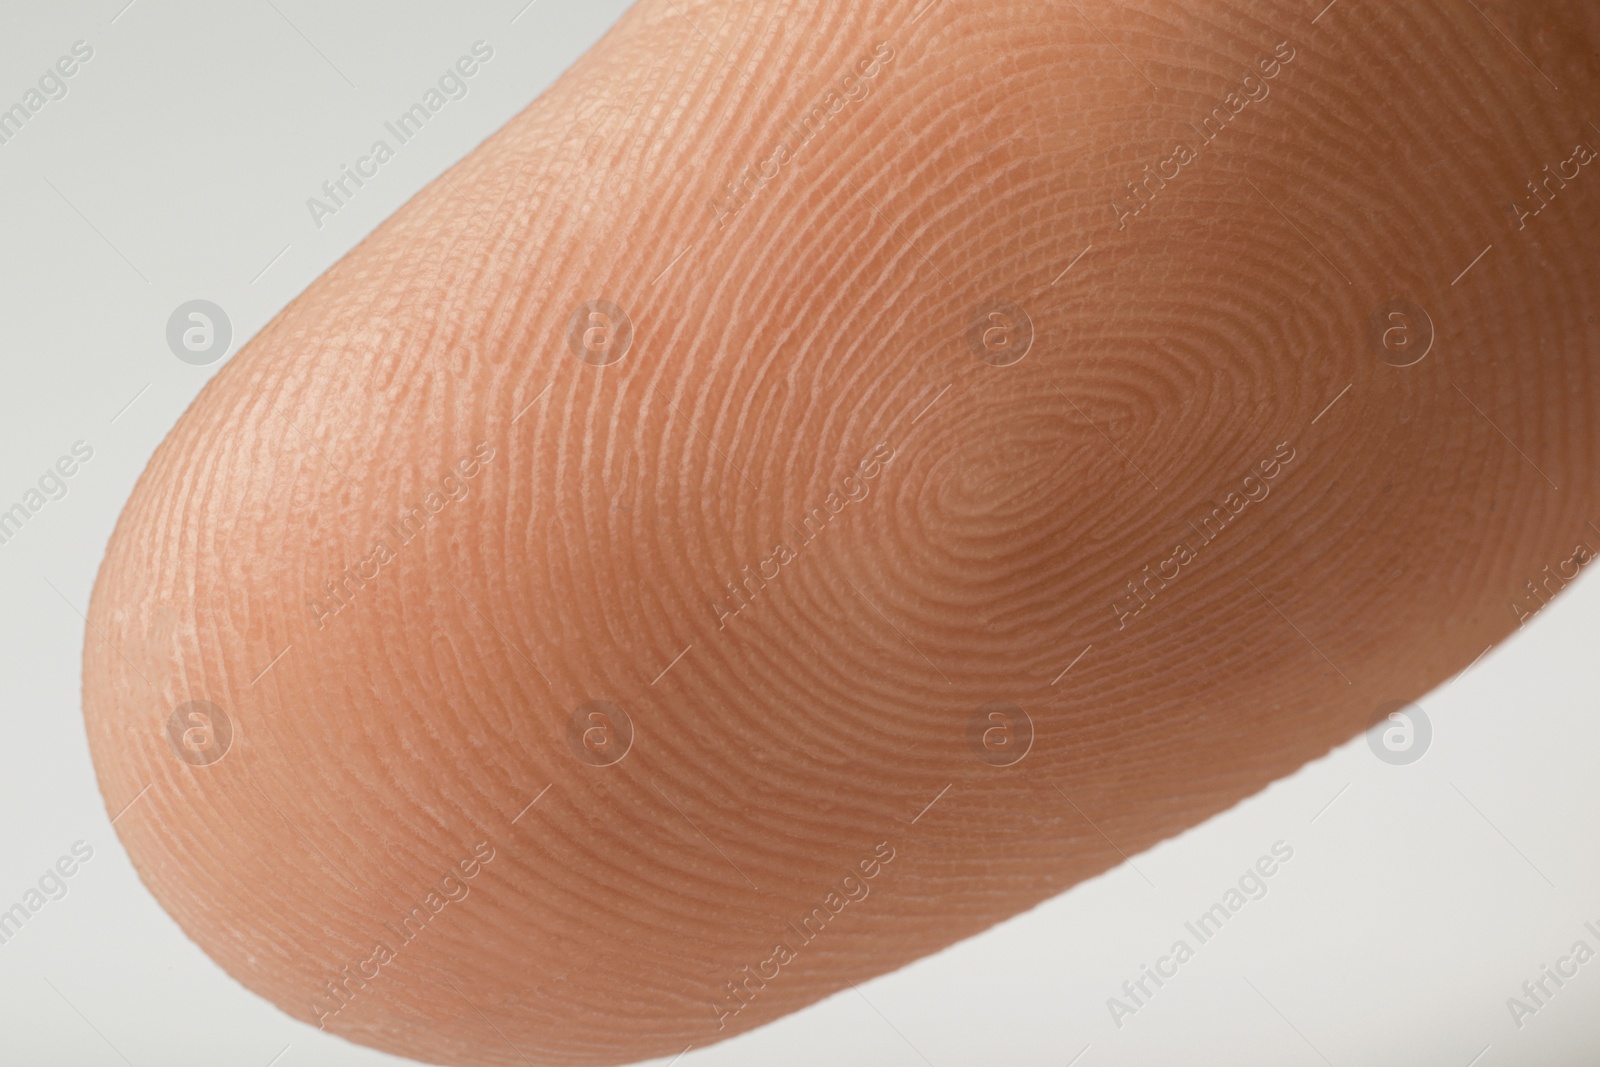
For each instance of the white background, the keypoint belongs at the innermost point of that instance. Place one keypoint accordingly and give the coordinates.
(178, 166)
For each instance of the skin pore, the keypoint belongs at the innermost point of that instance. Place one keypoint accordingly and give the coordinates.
(685, 560)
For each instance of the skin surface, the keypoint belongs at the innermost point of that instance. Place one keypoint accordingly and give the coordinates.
(824, 336)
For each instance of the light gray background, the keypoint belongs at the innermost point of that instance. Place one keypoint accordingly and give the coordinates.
(177, 167)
